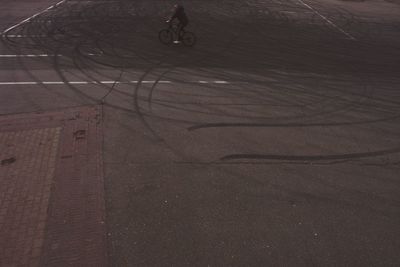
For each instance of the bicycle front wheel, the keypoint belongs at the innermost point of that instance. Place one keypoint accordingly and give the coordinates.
(189, 39)
(165, 36)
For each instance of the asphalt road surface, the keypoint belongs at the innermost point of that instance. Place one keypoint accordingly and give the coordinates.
(274, 141)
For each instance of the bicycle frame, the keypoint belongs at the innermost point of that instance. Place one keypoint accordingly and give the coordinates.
(174, 28)
(169, 34)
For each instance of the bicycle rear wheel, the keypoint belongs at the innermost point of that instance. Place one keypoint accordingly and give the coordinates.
(189, 39)
(165, 36)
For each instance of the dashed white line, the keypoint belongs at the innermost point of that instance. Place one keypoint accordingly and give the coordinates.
(217, 82)
(67, 82)
(17, 83)
(41, 55)
(31, 17)
(50, 82)
(288, 12)
(104, 82)
(29, 55)
(164, 82)
(221, 82)
(24, 36)
(328, 21)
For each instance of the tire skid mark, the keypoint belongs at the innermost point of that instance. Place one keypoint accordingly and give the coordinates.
(349, 156)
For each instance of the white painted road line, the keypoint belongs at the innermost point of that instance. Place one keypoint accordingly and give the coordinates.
(24, 36)
(17, 83)
(105, 82)
(221, 82)
(31, 17)
(217, 82)
(42, 55)
(29, 55)
(79, 82)
(327, 20)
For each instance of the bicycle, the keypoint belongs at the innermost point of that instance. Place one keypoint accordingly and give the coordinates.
(167, 36)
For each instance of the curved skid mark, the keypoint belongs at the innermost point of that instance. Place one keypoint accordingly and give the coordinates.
(349, 156)
(277, 125)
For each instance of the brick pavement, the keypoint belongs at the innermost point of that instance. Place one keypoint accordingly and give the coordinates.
(51, 189)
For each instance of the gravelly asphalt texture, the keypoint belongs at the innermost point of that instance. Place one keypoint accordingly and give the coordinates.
(274, 141)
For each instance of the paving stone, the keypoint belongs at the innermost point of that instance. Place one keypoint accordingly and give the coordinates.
(51, 189)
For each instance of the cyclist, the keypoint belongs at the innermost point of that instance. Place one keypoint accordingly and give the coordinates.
(180, 15)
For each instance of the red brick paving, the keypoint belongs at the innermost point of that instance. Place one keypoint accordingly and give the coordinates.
(51, 189)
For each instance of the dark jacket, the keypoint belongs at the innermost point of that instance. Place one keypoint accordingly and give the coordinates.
(180, 15)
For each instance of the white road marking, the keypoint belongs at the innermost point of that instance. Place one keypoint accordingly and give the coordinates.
(288, 12)
(164, 82)
(31, 17)
(50, 83)
(327, 20)
(101, 82)
(24, 36)
(17, 83)
(217, 82)
(221, 82)
(41, 55)
(29, 55)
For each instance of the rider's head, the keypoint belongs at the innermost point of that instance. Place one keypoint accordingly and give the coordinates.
(178, 6)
